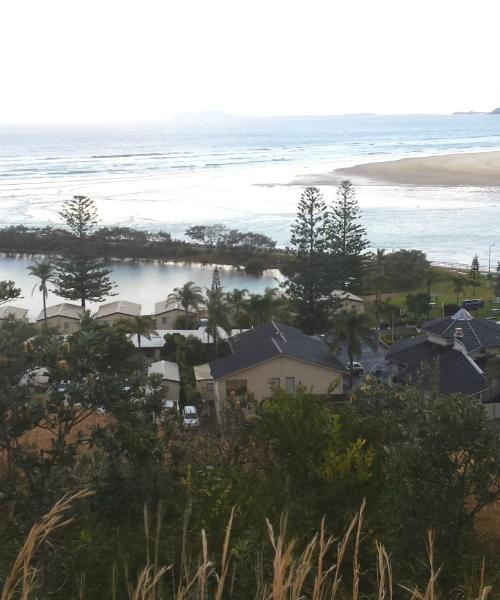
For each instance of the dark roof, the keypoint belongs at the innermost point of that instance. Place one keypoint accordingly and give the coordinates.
(268, 341)
(477, 333)
(425, 363)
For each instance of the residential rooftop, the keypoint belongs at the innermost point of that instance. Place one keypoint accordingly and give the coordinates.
(66, 310)
(428, 364)
(167, 369)
(475, 334)
(122, 307)
(271, 340)
(12, 311)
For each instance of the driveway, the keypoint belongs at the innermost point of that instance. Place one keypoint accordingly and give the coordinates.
(369, 359)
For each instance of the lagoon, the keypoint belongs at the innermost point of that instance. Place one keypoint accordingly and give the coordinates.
(145, 282)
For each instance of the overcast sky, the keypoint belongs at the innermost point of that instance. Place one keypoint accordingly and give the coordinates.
(115, 60)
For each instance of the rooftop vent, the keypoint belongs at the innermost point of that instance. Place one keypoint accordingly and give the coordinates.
(459, 332)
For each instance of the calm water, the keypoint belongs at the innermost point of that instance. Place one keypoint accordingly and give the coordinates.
(145, 282)
(238, 171)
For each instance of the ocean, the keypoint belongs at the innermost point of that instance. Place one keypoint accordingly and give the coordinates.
(241, 172)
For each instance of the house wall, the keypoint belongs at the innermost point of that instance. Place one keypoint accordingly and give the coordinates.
(64, 324)
(315, 377)
(354, 305)
(166, 320)
(113, 318)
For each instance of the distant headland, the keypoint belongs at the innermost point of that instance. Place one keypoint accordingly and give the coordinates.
(496, 111)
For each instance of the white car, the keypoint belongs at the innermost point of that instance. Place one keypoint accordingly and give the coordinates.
(357, 368)
(190, 417)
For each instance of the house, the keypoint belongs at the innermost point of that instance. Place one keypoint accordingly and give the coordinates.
(171, 380)
(166, 313)
(270, 355)
(12, 311)
(152, 347)
(450, 357)
(347, 301)
(117, 311)
(66, 317)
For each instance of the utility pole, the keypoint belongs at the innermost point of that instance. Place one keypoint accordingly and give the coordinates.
(489, 257)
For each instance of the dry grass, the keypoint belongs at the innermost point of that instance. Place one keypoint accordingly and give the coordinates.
(317, 572)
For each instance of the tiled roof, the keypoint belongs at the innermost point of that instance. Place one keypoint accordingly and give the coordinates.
(121, 307)
(66, 310)
(345, 295)
(425, 362)
(476, 333)
(268, 341)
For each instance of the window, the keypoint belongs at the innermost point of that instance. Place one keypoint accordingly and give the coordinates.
(236, 387)
(66, 325)
(274, 382)
(210, 387)
(164, 319)
(290, 385)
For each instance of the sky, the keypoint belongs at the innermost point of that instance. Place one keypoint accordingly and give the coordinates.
(146, 60)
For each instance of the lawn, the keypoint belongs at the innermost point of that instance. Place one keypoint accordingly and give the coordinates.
(442, 292)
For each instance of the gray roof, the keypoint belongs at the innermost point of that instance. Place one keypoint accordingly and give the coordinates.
(121, 307)
(167, 305)
(426, 364)
(14, 311)
(477, 333)
(167, 369)
(66, 310)
(268, 341)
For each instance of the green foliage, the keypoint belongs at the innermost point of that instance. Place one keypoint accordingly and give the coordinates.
(474, 274)
(406, 268)
(8, 291)
(44, 272)
(189, 296)
(346, 238)
(309, 288)
(418, 304)
(81, 275)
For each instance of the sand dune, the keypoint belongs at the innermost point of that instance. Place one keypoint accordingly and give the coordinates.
(470, 169)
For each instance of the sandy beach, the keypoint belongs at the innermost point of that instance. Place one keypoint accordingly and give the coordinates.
(467, 169)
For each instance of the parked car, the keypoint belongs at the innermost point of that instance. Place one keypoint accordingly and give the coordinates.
(357, 368)
(190, 417)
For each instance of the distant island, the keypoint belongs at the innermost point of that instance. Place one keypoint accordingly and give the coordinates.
(477, 112)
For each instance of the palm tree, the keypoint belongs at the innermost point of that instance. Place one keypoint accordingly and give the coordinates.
(142, 326)
(218, 311)
(458, 285)
(263, 307)
(45, 272)
(238, 301)
(189, 296)
(352, 329)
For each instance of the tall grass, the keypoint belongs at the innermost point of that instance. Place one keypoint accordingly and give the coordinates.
(317, 572)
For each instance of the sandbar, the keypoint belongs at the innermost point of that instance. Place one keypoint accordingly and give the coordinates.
(466, 169)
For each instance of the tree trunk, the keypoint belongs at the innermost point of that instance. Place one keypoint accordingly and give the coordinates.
(44, 299)
(351, 373)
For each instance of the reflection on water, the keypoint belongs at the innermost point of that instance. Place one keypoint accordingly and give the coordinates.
(144, 282)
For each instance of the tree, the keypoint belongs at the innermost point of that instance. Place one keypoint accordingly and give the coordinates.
(197, 233)
(44, 271)
(81, 275)
(458, 285)
(264, 307)
(406, 268)
(140, 325)
(8, 291)
(475, 274)
(218, 310)
(352, 330)
(189, 296)
(347, 238)
(239, 303)
(496, 287)
(309, 287)
(418, 304)
(379, 276)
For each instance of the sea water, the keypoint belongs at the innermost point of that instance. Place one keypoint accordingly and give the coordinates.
(241, 172)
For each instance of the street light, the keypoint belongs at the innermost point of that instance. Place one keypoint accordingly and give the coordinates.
(489, 257)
